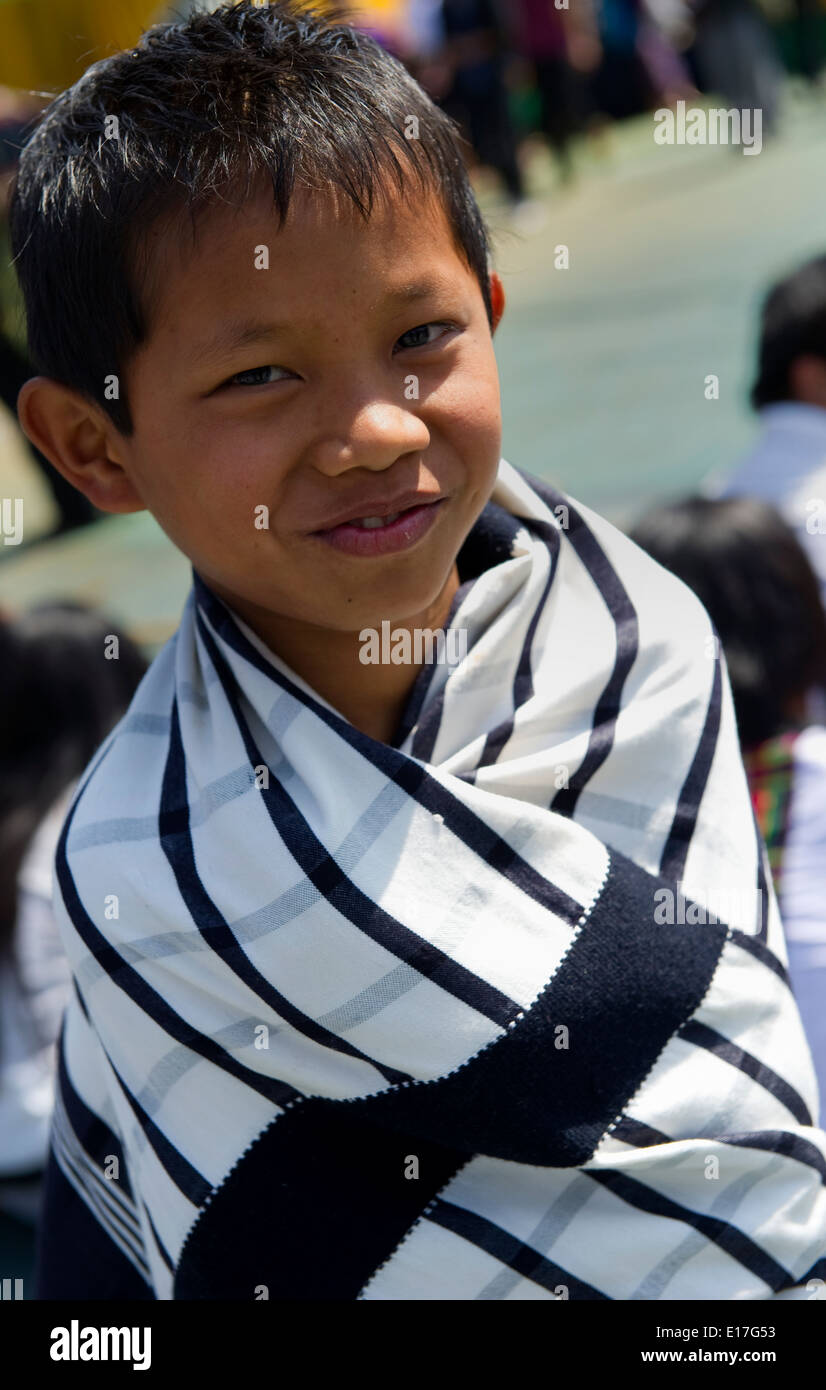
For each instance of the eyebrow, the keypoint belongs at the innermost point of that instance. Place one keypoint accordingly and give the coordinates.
(237, 335)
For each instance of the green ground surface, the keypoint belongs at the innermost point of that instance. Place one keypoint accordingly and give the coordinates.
(602, 365)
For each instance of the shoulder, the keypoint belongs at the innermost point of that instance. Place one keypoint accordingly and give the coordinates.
(658, 629)
(110, 831)
(663, 619)
(125, 768)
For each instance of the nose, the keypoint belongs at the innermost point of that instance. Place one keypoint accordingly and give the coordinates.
(378, 431)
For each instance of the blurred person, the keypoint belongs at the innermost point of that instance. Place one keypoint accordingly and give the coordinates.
(476, 41)
(744, 562)
(597, 59)
(621, 84)
(787, 463)
(666, 29)
(425, 56)
(59, 697)
(560, 45)
(735, 57)
(425, 29)
(808, 30)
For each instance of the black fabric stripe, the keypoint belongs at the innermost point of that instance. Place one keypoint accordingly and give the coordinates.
(427, 731)
(76, 1257)
(312, 1209)
(187, 1178)
(411, 775)
(346, 898)
(729, 1238)
(761, 952)
(778, 1141)
(642, 1136)
(108, 1215)
(762, 886)
(81, 1001)
(490, 847)
(523, 679)
(489, 543)
(132, 983)
(675, 851)
(162, 1250)
(624, 616)
(505, 1248)
(176, 841)
(93, 1135)
(702, 1036)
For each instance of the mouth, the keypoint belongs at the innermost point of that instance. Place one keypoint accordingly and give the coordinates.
(382, 534)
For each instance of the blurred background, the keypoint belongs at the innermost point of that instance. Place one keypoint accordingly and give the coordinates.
(636, 274)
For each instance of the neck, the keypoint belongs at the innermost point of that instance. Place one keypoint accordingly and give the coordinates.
(372, 697)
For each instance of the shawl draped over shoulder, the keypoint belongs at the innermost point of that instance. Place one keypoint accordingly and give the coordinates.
(499, 1010)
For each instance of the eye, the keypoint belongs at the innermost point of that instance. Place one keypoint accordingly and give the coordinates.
(417, 332)
(256, 376)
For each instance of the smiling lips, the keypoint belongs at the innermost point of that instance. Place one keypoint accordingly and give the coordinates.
(382, 535)
(371, 523)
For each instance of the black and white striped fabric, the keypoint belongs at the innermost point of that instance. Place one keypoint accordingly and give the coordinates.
(453, 1018)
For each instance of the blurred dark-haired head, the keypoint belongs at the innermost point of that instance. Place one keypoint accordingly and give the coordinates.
(61, 691)
(757, 584)
(792, 352)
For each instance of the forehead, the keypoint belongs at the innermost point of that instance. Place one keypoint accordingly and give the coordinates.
(323, 253)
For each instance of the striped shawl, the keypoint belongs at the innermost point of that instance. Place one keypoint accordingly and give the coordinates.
(498, 1011)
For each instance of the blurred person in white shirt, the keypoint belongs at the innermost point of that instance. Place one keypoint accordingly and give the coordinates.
(786, 465)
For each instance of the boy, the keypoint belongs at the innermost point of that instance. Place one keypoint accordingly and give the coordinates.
(392, 981)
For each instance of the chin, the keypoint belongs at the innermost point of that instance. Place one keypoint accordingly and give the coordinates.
(387, 609)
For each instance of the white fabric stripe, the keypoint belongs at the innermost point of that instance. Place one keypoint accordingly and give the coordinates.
(114, 1197)
(91, 1198)
(94, 1193)
(96, 1201)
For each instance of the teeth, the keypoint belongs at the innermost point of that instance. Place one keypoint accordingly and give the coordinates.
(370, 523)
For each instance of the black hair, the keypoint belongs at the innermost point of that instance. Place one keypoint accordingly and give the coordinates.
(757, 584)
(59, 697)
(793, 324)
(203, 108)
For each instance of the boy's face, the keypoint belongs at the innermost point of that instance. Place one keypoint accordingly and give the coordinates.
(332, 370)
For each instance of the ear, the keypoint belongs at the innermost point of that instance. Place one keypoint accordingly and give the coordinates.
(497, 298)
(80, 441)
(807, 379)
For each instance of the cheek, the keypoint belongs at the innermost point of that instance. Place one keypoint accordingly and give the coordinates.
(474, 432)
(210, 474)
(470, 397)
